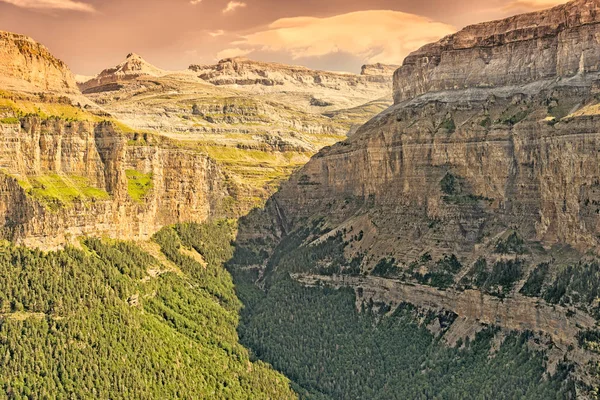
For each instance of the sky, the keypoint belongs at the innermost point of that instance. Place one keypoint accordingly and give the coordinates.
(337, 35)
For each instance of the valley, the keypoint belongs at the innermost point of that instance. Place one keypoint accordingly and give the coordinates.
(258, 230)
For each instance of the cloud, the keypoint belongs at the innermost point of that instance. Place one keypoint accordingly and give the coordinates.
(532, 5)
(373, 36)
(218, 33)
(235, 52)
(233, 5)
(195, 2)
(69, 5)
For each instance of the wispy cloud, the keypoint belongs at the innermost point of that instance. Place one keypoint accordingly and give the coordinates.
(532, 5)
(194, 2)
(67, 5)
(235, 52)
(218, 33)
(373, 36)
(233, 5)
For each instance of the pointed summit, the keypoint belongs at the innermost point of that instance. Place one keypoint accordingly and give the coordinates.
(133, 67)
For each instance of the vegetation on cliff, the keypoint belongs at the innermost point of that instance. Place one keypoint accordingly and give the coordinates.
(317, 337)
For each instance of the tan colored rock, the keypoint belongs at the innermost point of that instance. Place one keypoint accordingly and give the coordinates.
(133, 67)
(27, 66)
(186, 185)
(556, 43)
(378, 69)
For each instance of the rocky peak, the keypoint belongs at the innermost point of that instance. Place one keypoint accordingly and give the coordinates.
(559, 42)
(133, 67)
(27, 66)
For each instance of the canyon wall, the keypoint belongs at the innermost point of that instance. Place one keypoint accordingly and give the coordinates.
(560, 42)
(183, 185)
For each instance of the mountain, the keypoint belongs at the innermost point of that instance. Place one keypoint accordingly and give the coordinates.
(133, 67)
(29, 67)
(256, 132)
(145, 148)
(378, 69)
(475, 195)
(108, 318)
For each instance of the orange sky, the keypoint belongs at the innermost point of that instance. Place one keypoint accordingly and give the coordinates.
(328, 34)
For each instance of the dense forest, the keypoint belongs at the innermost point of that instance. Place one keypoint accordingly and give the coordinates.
(330, 350)
(109, 320)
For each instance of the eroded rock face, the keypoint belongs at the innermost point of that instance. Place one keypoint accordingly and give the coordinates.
(378, 69)
(133, 67)
(496, 129)
(560, 42)
(28, 66)
(524, 149)
(186, 186)
(245, 72)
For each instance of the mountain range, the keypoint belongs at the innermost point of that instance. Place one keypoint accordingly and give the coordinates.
(259, 230)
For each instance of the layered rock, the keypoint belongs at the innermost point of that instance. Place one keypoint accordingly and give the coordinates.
(378, 69)
(132, 68)
(245, 72)
(523, 154)
(495, 132)
(560, 42)
(185, 185)
(28, 66)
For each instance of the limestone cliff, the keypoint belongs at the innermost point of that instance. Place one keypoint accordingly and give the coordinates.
(28, 66)
(378, 69)
(493, 139)
(556, 43)
(125, 186)
(244, 72)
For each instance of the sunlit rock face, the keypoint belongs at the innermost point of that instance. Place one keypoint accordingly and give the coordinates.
(556, 43)
(28, 66)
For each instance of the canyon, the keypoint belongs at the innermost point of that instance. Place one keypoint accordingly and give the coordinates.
(142, 148)
(492, 137)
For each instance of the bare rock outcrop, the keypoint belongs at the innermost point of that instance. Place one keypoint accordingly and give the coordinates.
(244, 72)
(132, 68)
(183, 185)
(556, 43)
(378, 69)
(27, 66)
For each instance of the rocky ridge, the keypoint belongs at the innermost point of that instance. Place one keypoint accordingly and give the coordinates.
(243, 72)
(493, 138)
(556, 43)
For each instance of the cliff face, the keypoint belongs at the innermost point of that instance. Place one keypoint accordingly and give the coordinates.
(560, 42)
(523, 155)
(28, 66)
(494, 135)
(43, 160)
(378, 69)
(244, 72)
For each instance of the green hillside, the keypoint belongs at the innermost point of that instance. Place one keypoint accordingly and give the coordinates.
(112, 321)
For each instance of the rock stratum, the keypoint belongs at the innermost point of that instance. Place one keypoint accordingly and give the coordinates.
(28, 66)
(64, 180)
(482, 180)
(145, 148)
(133, 67)
(557, 43)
